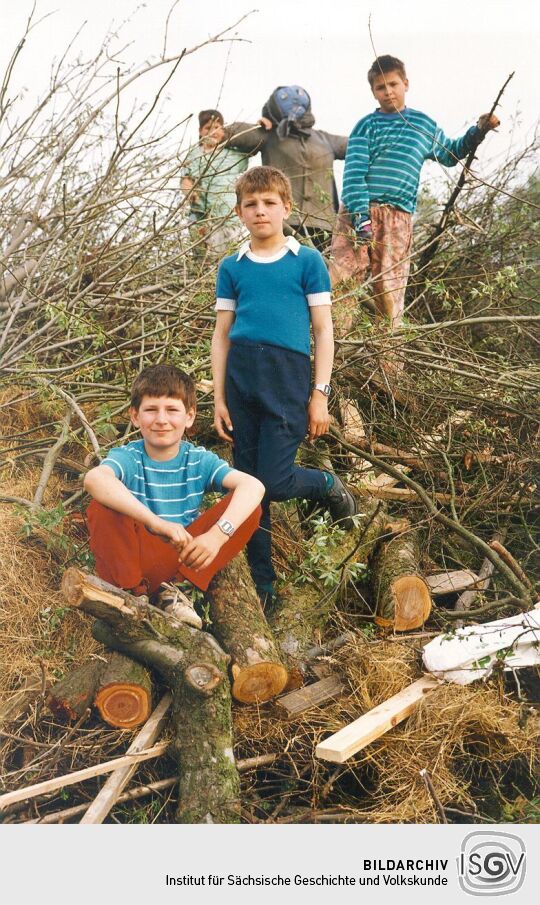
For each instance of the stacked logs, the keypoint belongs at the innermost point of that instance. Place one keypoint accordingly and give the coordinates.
(194, 665)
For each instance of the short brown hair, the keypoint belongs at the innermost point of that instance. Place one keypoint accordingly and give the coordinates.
(208, 116)
(264, 179)
(385, 64)
(164, 380)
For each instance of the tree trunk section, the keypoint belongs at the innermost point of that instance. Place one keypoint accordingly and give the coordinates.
(72, 695)
(403, 598)
(300, 621)
(124, 696)
(240, 625)
(194, 666)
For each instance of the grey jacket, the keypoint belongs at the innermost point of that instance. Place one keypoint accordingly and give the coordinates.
(307, 161)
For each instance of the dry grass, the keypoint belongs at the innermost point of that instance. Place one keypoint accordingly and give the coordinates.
(463, 736)
(34, 622)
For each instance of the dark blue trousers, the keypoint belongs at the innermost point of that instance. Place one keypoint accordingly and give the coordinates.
(267, 390)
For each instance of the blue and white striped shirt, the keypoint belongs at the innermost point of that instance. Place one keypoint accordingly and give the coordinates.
(385, 155)
(173, 490)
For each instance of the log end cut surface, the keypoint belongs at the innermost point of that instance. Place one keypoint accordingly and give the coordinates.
(412, 600)
(123, 706)
(259, 682)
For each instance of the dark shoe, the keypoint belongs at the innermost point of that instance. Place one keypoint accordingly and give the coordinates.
(341, 504)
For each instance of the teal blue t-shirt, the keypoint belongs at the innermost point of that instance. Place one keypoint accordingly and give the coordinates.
(271, 297)
(173, 490)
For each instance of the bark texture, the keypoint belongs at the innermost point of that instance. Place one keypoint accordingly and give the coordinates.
(240, 624)
(75, 692)
(194, 666)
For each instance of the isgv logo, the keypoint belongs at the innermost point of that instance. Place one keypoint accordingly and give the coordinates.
(491, 864)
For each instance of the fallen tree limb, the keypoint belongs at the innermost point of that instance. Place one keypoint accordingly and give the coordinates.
(510, 561)
(466, 600)
(240, 624)
(304, 611)
(522, 591)
(435, 238)
(194, 667)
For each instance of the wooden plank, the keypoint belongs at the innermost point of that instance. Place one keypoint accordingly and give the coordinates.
(296, 702)
(352, 738)
(399, 494)
(116, 783)
(50, 785)
(451, 582)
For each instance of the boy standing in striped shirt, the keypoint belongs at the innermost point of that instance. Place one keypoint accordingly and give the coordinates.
(385, 155)
(147, 494)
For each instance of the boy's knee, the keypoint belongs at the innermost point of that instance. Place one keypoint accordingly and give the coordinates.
(278, 488)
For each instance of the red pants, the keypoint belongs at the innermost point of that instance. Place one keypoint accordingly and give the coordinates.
(128, 555)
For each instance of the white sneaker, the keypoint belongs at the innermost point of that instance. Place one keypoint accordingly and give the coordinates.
(174, 602)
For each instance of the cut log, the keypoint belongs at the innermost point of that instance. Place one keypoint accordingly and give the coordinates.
(71, 696)
(403, 599)
(240, 625)
(380, 481)
(124, 695)
(352, 738)
(188, 661)
(451, 582)
(291, 705)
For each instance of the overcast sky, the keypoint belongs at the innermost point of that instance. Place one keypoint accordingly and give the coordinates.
(457, 54)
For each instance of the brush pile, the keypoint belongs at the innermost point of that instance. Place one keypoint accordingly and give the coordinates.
(99, 276)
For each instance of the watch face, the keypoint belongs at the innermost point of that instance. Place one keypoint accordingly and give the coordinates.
(226, 526)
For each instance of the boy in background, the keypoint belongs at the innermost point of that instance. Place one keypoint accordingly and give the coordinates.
(208, 176)
(269, 295)
(385, 155)
(147, 495)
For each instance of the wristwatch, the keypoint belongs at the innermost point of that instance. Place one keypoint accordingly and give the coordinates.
(225, 526)
(323, 388)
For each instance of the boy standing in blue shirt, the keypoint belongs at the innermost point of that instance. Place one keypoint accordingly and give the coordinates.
(385, 155)
(269, 295)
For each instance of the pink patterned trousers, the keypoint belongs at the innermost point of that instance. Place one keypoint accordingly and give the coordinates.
(387, 255)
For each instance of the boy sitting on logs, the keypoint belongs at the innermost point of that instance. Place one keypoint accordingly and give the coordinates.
(143, 519)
